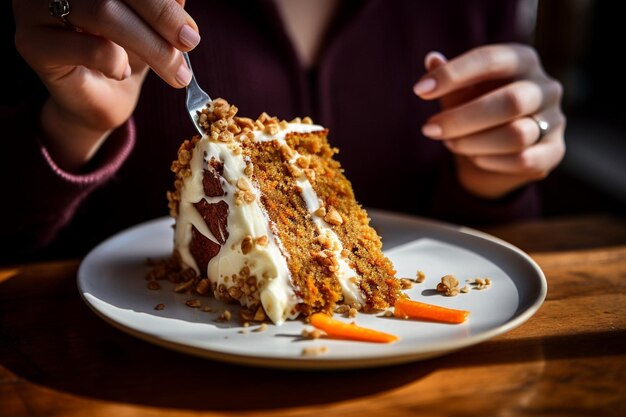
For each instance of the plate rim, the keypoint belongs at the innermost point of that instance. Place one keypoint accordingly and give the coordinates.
(321, 362)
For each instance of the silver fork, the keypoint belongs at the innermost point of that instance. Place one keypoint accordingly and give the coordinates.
(196, 98)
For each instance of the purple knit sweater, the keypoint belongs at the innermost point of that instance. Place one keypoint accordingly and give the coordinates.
(361, 90)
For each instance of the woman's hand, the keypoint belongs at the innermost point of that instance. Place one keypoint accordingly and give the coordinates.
(492, 98)
(94, 74)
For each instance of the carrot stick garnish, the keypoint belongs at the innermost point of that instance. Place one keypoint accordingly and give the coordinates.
(405, 308)
(341, 330)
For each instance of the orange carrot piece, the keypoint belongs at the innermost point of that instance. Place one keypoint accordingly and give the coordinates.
(405, 308)
(342, 330)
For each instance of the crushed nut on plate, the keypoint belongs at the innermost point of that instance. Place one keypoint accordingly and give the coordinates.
(449, 286)
(314, 350)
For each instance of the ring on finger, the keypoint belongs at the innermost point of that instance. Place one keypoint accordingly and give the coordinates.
(61, 9)
(542, 125)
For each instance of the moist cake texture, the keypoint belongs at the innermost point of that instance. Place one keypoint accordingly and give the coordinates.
(265, 217)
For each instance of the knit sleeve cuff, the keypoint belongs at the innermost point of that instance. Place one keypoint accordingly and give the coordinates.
(105, 163)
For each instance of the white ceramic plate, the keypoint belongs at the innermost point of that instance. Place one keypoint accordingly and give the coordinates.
(111, 281)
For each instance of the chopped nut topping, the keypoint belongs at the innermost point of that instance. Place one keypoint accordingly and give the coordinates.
(244, 122)
(312, 334)
(153, 285)
(406, 283)
(243, 184)
(159, 306)
(287, 152)
(235, 292)
(225, 136)
(247, 244)
(420, 277)
(481, 284)
(184, 286)
(264, 117)
(271, 129)
(249, 197)
(449, 286)
(238, 198)
(193, 303)
(303, 161)
(260, 314)
(325, 241)
(225, 316)
(246, 315)
(262, 240)
(248, 170)
(321, 211)
(262, 327)
(180, 168)
(203, 287)
(342, 309)
(314, 350)
(357, 306)
(333, 217)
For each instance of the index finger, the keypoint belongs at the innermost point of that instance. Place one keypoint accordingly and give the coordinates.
(492, 62)
(170, 20)
(155, 31)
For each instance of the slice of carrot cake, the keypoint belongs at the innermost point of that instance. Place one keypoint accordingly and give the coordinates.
(266, 217)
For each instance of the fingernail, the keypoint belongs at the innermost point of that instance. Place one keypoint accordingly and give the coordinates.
(189, 37)
(432, 130)
(183, 75)
(425, 86)
(436, 56)
(127, 72)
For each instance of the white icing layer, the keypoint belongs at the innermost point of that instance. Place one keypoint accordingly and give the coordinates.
(266, 262)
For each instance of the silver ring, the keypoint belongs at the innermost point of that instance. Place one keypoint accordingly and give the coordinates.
(543, 126)
(61, 9)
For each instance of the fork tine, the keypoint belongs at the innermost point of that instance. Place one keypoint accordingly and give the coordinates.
(196, 97)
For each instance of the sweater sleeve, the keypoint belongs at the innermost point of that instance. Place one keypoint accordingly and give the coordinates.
(452, 203)
(40, 197)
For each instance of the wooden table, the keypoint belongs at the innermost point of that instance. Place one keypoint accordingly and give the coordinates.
(57, 358)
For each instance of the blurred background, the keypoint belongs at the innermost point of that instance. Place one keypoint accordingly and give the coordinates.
(580, 42)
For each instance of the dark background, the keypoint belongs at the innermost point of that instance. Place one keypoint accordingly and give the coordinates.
(582, 45)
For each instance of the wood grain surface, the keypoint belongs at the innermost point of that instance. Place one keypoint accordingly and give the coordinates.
(57, 358)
